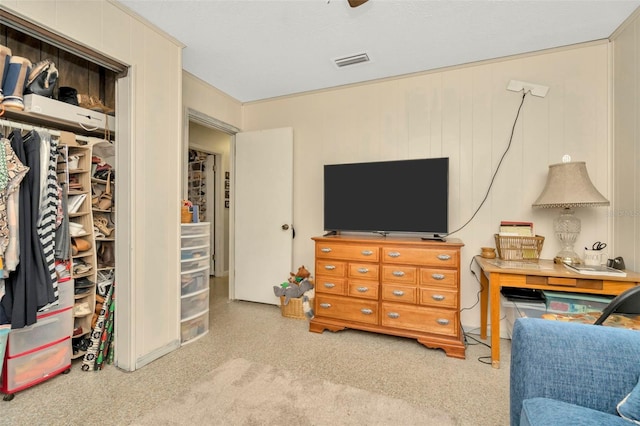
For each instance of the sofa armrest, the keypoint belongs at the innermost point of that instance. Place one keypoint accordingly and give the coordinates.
(587, 365)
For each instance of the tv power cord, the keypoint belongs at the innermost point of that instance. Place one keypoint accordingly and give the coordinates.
(486, 195)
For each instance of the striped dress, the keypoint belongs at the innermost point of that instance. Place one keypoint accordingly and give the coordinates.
(49, 202)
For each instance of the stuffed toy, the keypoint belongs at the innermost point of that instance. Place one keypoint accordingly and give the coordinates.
(302, 274)
(292, 290)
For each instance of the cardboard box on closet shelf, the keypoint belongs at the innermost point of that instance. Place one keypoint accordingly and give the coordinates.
(90, 120)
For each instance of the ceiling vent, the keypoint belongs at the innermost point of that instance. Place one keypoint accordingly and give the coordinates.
(351, 60)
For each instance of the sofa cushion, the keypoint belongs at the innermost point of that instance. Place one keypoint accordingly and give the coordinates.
(550, 412)
(629, 407)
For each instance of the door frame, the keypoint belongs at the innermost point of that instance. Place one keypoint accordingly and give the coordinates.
(191, 115)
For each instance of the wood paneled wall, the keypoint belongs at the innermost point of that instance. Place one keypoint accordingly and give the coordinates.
(83, 75)
(465, 114)
(626, 134)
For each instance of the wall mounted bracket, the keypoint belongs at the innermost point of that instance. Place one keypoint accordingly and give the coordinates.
(535, 89)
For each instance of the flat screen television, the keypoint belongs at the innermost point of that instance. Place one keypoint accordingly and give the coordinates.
(403, 196)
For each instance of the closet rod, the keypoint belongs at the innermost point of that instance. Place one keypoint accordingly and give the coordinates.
(23, 126)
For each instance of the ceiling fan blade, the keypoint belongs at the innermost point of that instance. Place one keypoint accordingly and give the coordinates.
(356, 3)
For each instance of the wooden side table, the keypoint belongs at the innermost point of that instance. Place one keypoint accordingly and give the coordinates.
(543, 275)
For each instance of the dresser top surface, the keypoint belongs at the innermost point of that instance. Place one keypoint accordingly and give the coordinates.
(381, 239)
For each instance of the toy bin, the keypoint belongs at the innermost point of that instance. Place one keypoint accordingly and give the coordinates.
(293, 309)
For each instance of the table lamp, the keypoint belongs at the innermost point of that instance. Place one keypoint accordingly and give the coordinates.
(568, 186)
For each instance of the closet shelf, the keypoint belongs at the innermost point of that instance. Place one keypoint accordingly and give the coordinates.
(39, 120)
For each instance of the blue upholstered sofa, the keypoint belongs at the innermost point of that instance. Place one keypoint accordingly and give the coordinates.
(571, 374)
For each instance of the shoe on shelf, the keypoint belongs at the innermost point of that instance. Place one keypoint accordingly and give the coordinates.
(102, 223)
(73, 162)
(76, 229)
(81, 309)
(80, 244)
(80, 267)
(94, 104)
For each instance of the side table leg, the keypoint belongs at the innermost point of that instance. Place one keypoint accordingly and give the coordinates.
(484, 303)
(494, 292)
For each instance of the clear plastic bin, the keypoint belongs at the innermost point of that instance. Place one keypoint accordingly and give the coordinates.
(192, 282)
(194, 304)
(27, 370)
(194, 328)
(195, 264)
(194, 253)
(190, 242)
(190, 229)
(49, 328)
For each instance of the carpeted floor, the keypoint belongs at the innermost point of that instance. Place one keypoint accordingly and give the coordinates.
(469, 391)
(242, 392)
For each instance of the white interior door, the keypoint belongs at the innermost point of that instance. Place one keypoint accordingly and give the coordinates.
(263, 207)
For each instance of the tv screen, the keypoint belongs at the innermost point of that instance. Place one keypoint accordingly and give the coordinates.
(387, 196)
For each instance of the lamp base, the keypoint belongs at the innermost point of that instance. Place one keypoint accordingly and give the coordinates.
(568, 258)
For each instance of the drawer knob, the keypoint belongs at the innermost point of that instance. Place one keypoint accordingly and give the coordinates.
(325, 305)
(442, 321)
(366, 311)
(394, 254)
(325, 250)
(363, 270)
(438, 297)
(444, 257)
(366, 252)
(329, 285)
(437, 276)
(329, 267)
(398, 273)
(363, 289)
(398, 293)
(393, 315)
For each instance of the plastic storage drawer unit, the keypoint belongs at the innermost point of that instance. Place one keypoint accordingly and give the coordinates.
(49, 328)
(195, 303)
(193, 265)
(191, 229)
(25, 371)
(192, 282)
(194, 328)
(190, 242)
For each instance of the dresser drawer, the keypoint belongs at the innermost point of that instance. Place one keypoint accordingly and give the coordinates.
(399, 293)
(410, 317)
(399, 274)
(330, 267)
(443, 277)
(366, 253)
(358, 310)
(363, 271)
(366, 289)
(439, 297)
(420, 256)
(332, 285)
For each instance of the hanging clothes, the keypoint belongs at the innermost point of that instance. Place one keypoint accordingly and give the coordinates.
(12, 171)
(29, 287)
(49, 190)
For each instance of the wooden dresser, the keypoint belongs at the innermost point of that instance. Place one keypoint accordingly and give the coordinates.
(402, 286)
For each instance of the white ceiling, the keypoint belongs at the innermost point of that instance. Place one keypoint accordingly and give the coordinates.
(258, 49)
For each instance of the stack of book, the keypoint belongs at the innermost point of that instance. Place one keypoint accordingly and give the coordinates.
(516, 229)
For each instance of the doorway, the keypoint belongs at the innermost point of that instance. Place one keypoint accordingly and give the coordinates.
(207, 149)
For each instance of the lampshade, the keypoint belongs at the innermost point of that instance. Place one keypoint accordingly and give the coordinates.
(568, 185)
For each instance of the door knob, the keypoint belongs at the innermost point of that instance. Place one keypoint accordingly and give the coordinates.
(285, 227)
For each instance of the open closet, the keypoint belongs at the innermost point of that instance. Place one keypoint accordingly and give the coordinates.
(67, 240)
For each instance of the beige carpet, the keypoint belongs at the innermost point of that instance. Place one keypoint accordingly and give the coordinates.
(241, 392)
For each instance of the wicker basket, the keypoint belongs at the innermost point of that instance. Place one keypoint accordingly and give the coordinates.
(293, 309)
(519, 248)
